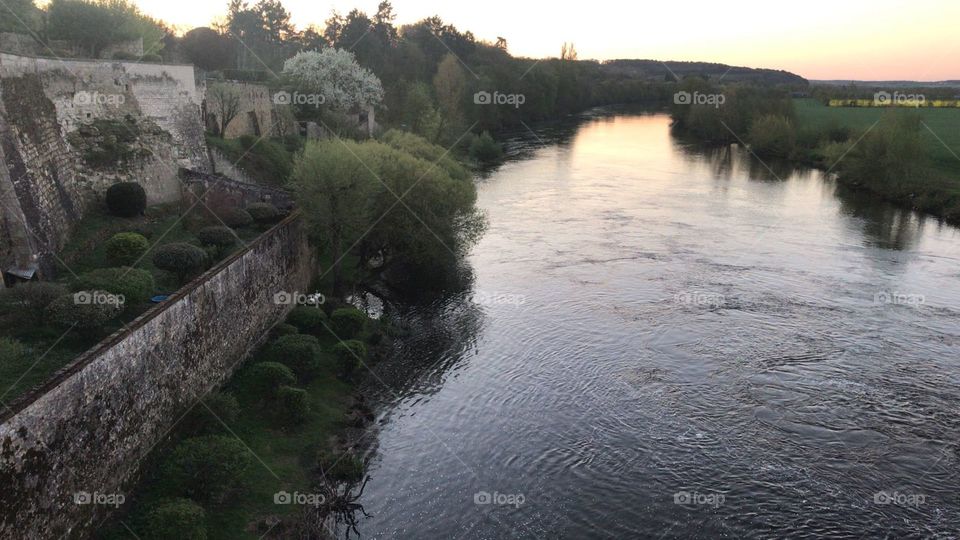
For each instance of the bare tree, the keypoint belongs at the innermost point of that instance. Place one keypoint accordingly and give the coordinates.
(568, 52)
(226, 104)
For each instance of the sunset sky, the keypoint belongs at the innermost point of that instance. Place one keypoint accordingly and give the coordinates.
(818, 39)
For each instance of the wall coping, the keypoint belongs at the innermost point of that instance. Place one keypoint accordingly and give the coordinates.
(92, 60)
(85, 358)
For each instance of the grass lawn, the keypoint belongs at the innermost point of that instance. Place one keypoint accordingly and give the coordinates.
(936, 187)
(944, 123)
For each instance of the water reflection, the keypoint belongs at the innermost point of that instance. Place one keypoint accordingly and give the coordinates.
(662, 340)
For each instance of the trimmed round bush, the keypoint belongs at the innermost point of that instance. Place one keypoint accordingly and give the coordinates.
(180, 258)
(11, 351)
(299, 352)
(349, 355)
(293, 405)
(235, 217)
(263, 213)
(126, 248)
(343, 468)
(347, 322)
(219, 237)
(176, 518)
(134, 284)
(208, 468)
(31, 299)
(126, 199)
(71, 310)
(264, 379)
(284, 329)
(308, 320)
(225, 410)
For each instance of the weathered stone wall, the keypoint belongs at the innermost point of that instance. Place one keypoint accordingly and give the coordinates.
(86, 430)
(46, 107)
(256, 114)
(216, 190)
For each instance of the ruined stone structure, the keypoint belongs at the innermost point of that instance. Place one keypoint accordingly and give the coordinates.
(86, 430)
(25, 44)
(254, 108)
(57, 116)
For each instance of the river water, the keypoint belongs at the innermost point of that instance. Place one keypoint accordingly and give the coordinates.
(672, 342)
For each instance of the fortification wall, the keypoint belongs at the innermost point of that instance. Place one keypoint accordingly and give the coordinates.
(86, 430)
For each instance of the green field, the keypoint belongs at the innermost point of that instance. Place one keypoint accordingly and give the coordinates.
(943, 123)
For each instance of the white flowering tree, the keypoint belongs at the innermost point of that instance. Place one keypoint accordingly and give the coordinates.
(335, 75)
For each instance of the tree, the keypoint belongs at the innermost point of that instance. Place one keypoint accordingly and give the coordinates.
(208, 49)
(568, 52)
(19, 16)
(96, 24)
(335, 75)
(449, 83)
(333, 187)
(225, 101)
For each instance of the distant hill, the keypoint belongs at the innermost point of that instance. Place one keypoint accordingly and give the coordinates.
(889, 84)
(657, 70)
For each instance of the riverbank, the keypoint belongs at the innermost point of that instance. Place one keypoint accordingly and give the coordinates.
(276, 449)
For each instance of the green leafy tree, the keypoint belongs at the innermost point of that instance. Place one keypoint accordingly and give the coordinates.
(208, 468)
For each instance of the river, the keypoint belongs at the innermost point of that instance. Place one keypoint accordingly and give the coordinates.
(666, 341)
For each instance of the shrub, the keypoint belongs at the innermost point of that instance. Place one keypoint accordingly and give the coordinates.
(124, 55)
(484, 149)
(208, 468)
(299, 352)
(126, 248)
(225, 410)
(349, 354)
(126, 199)
(11, 351)
(293, 405)
(343, 468)
(134, 284)
(180, 258)
(284, 329)
(348, 322)
(85, 317)
(219, 237)
(234, 217)
(263, 212)
(772, 135)
(308, 320)
(156, 58)
(176, 518)
(30, 299)
(265, 378)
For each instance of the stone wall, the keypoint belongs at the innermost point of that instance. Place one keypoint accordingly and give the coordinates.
(87, 429)
(48, 114)
(218, 191)
(256, 112)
